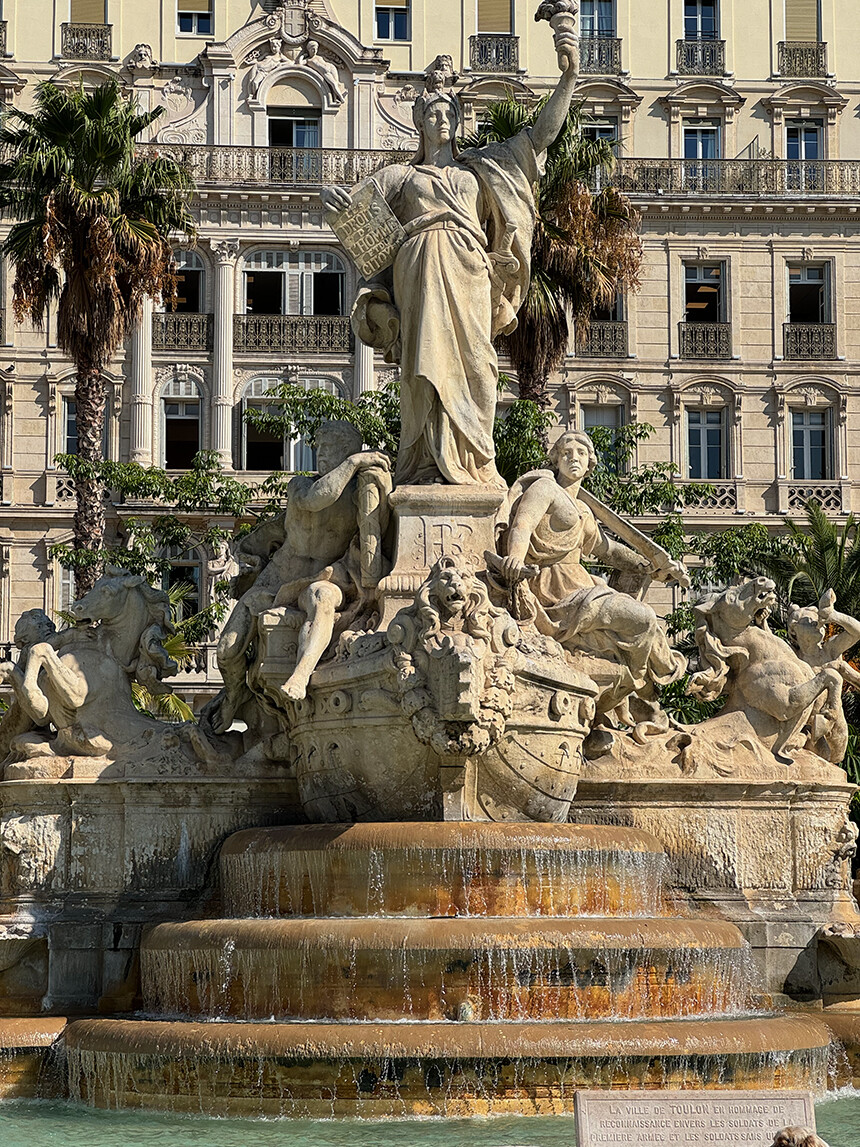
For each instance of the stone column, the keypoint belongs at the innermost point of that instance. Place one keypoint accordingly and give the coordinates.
(221, 434)
(365, 378)
(141, 387)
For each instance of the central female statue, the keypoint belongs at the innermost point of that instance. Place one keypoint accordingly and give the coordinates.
(458, 279)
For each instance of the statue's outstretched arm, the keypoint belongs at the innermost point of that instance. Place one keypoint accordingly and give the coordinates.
(549, 123)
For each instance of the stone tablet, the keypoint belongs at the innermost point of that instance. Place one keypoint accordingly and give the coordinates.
(689, 1118)
(369, 230)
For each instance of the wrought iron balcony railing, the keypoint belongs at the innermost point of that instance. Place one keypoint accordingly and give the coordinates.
(600, 56)
(273, 166)
(494, 52)
(4, 37)
(182, 330)
(801, 59)
(762, 177)
(292, 334)
(86, 41)
(606, 339)
(701, 58)
(705, 340)
(809, 341)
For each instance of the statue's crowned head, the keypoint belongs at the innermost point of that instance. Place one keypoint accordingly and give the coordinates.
(434, 99)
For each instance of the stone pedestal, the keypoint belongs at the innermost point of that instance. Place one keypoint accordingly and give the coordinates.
(433, 522)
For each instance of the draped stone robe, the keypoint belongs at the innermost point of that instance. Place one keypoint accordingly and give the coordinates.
(457, 282)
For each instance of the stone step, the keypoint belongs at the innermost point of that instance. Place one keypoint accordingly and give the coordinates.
(324, 1070)
(443, 869)
(466, 967)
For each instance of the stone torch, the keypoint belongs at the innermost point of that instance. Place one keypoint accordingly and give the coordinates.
(561, 17)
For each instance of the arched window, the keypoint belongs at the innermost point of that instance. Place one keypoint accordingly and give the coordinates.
(191, 282)
(180, 413)
(264, 451)
(294, 283)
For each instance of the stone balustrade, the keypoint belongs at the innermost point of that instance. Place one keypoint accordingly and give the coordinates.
(86, 41)
(292, 334)
(494, 52)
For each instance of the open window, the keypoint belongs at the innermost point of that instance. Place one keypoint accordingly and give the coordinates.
(294, 283)
(180, 408)
(297, 128)
(704, 298)
(264, 451)
(190, 282)
(808, 293)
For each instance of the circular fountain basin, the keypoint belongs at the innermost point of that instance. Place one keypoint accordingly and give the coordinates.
(468, 967)
(372, 1070)
(443, 869)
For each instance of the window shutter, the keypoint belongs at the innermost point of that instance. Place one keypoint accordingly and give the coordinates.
(801, 20)
(194, 5)
(88, 11)
(294, 293)
(494, 15)
(392, 4)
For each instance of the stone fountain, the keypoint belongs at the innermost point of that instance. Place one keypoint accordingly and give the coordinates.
(465, 862)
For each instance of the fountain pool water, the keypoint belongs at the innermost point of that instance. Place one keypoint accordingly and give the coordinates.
(27, 1124)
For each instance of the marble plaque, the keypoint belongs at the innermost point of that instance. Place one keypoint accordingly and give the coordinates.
(689, 1118)
(369, 230)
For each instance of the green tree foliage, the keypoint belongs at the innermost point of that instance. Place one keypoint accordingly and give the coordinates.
(585, 250)
(92, 230)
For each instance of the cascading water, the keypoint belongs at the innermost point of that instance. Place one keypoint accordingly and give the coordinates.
(444, 968)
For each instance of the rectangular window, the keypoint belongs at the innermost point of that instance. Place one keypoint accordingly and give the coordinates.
(392, 20)
(700, 20)
(293, 127)
(703, 287)
(194, 17)
(70, 428)
(811, 445)
(613, 314)
(706, 444)
(808, 294)
(189, 290)
(495, 16)
(609, 418)
(598, 18)
(87, 11)
(264, 293)
(181, 433)
(702, 139)
(263, 450)
(801, 21)
(186, 575)
(67, 588)
(803, 139)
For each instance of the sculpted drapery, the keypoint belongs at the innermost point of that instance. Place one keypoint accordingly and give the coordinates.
(457, 282)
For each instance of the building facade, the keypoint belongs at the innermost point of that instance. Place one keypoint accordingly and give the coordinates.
(738, 135)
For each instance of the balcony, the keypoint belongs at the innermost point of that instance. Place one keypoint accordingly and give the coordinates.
(701, 58)
(494, 52)
(723, 500)
(809, 342)
(705, 340)
(600, 56)
(743, 177)
(793, 496)
(606, 339)
(86, 41)
(803, 60)
(272, 166)
(292, 334)
(181, 330)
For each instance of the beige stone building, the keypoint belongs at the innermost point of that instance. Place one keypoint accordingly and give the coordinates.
(738, 129)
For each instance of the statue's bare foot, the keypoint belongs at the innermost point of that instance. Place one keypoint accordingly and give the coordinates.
(296, 689)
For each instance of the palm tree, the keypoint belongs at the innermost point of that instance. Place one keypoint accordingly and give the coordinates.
(91, 229)
(817, 556)
(585, 248)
